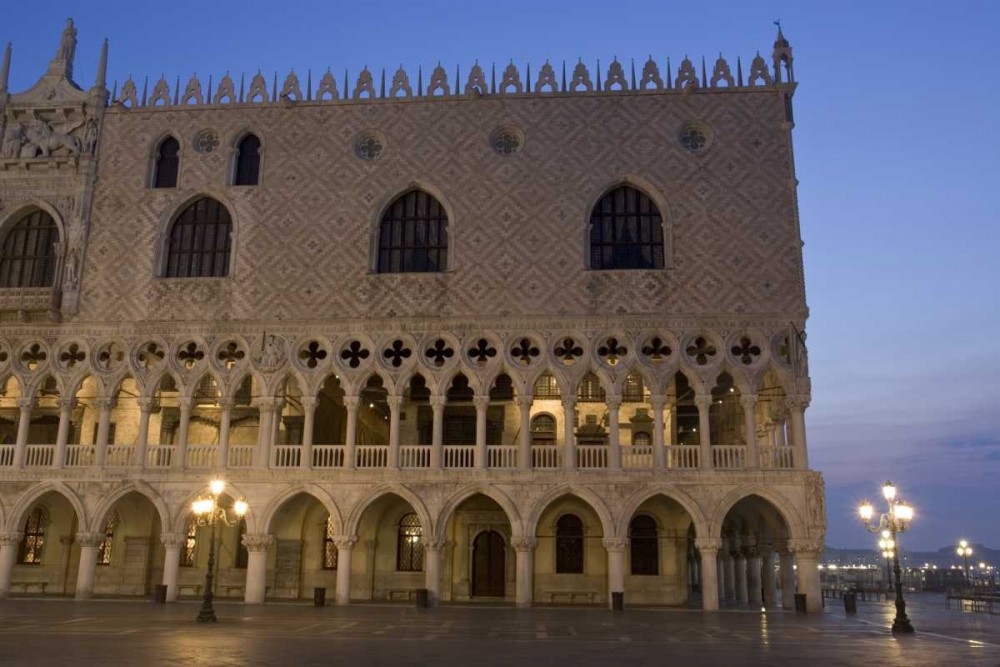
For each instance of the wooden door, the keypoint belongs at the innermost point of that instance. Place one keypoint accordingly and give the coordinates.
(488, 567)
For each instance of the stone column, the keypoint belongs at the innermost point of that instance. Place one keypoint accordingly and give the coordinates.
(345, 546)
(807, 553)
(616, 564)
(395, 403)
(524, 444)
(721, 569)
(9, 543)
(658, 403)
(262, 460)
(796, 414)
(779, 433)
(437, 431)
(524, 548)
(614, 404)
(351, 434)
(787, 576)
(753, 580)
(172, 545)
(66, 406)
(89, 544)
(142, 441)
(740, 572)
(704, 404)
(749, 403)
(23, 423)
(432, 571)
(767, 578)
(225, 414)
(257, 546)
(482, 456)
(309, 404)
(180, 456)
(106, 405)
(730, 576)
(709, 547)
(569, 436)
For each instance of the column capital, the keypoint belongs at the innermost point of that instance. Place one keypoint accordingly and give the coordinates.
(615, 543)
(613, 402)
(258, 541)
(345, 541)
(90, 539)
(310, 402)
(800, 401)
(568, 400)
(352, 402)
(67, 403)
(268, 403)
(808, 547)
(438, 402)
(226, 402)
(26, 403)
(395, 402)
(708, 545)
(703, 401)
(173, 540)
(748, 400)
(10, 539)
(434, 544)
(658, 401)
(481, 402)
(185, 403)
(524, 543)
(106, 403)
(145, 403)
(524, 402)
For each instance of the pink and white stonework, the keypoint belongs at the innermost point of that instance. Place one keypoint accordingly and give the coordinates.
(525, 418)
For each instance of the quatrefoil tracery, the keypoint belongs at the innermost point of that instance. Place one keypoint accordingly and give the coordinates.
(440, 352)
(231, 354)
(656, 349)
(568, 351)
(150, 355)
(612, 351)
(111, 356)
(33, 357)
(190, 355)
(483, 351)
(701, 350)
(397, 353)
(312, 354)
(746, 351)
(524, 351)
(72, 356)
(354, 354)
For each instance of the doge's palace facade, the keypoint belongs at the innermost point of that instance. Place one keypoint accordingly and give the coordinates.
(530, 334)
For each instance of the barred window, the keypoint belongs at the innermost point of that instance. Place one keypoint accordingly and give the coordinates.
(644, 549)
(413, 235)
(104, 548)
(190, 542)
(641, 439)
(34, 538)
(242, 553)
(409, 548)
(543, 430)
(590, 390)
(634, 391)
(28, 257)
(329, 546)
(199, 242)
(168, 162)
(569, 545)
(626, 231)
(247, 161)
(546, 386)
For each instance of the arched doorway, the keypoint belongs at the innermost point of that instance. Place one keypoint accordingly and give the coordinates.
(754, 561)
(488, 565)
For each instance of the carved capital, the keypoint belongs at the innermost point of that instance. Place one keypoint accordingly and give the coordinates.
(90, 539)
(615, 543)
(105, 404)
(173, 540)
(524, 402)
(748, 401)
(438, 402)
(703, 401)
(352, 402)
(481, 402)
(797, 402)
(658, 401)
(258, 541)
(309, 402)
(524, 543)
(395, 402)
(810, 547)
(345, 542)
(185, 404)
(26, 403)
(708, 546)
(10, 539)
(68, 404)
(434, 545)
(613, 402)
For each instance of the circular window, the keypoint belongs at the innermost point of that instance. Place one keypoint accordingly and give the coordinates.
(696, 137)
(206, 142)
(506, 140)
(369, 146)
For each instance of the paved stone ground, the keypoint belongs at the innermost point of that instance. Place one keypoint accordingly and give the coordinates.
(111, 633)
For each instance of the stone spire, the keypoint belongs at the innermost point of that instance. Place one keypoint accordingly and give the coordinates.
(62, 64)
(782, 55)
(5, 69)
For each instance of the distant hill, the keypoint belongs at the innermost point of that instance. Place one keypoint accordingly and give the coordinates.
(944, 557)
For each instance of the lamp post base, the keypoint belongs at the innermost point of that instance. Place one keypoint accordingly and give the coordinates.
(901, 626)
(208, 616)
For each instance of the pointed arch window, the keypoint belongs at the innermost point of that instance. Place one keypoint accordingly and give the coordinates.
(413, 235)
(190, 543)
(590, 390)
(626, 231)
(28, 256)
(329, 545)
(199, 242)
(546, 386)
(34, 538)
(409, 547)
(644, 548)
(168, 162)
(247, 170)
(569, 545)
(106, 545)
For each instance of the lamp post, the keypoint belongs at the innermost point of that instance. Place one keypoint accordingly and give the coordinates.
(887, 546)
(207, 513)
(964, 550)
(895, 521)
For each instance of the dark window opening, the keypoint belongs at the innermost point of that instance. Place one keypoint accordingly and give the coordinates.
(626, 231)
(413, 235)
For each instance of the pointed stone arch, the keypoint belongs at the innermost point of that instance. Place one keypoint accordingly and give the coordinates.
(107, 504)
(580, 492)
(656, 197)
(176, 207)
(182, 511)
(480, 488)
(383, 205)
(354, 518)
(785, 508)
(679, 496)
(310, 489)
(26, 501)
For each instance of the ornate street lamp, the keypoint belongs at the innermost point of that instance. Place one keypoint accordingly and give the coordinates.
(964, 550)
(888, 547)
(207, 513)
(895, 521)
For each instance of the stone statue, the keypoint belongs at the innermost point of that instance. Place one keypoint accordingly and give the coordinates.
(13, 140)
(67, 45)
(90, 139)
(69, 279)
(272, 355)
(41, 138)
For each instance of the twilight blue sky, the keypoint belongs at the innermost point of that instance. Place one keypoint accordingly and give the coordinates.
(896, 146)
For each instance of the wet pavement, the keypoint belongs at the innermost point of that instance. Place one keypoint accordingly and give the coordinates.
(111, 633)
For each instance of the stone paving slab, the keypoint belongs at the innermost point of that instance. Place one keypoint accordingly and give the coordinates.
(112, 633)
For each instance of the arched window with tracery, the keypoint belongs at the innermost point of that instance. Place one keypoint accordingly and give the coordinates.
(546, 386)
(626, 231)
(247, 168)
(413, 235)
(569, 545)
(543, 430)
(167, 165)
(590, 390)
(644, 548)
(329, 545)
(409, 548)
(28, 256)
(106, 545)
(199, 241)
(34, 538)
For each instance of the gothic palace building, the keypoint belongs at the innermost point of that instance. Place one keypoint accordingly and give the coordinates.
(528, 334)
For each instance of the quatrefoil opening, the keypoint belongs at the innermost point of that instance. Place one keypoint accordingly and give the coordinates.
(746, 351)
(440, 352)
(612, 351)
(150, 355)
(397, 353)
(354, 354)
(312, 354)
(701, 350)
(230, 355)
(656, 350)
(568, 351)
(33, 357)
(190, 355)
(482, 352)
(72, 356)
(524, 351)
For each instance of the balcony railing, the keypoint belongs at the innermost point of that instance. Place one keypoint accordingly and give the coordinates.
(6, 455)
(287, 456)
(414, 456)
(241, 456)
(502, 456)
(546, 457)
(80, 455)
(159, 456)
(39, 456)
(683, 457)
(776, 457)
(202, 456)
(729, 457)
(373, 456)
(328, 456)
(120, 456)
(459, 456)
(637, 456)
(591, 456)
